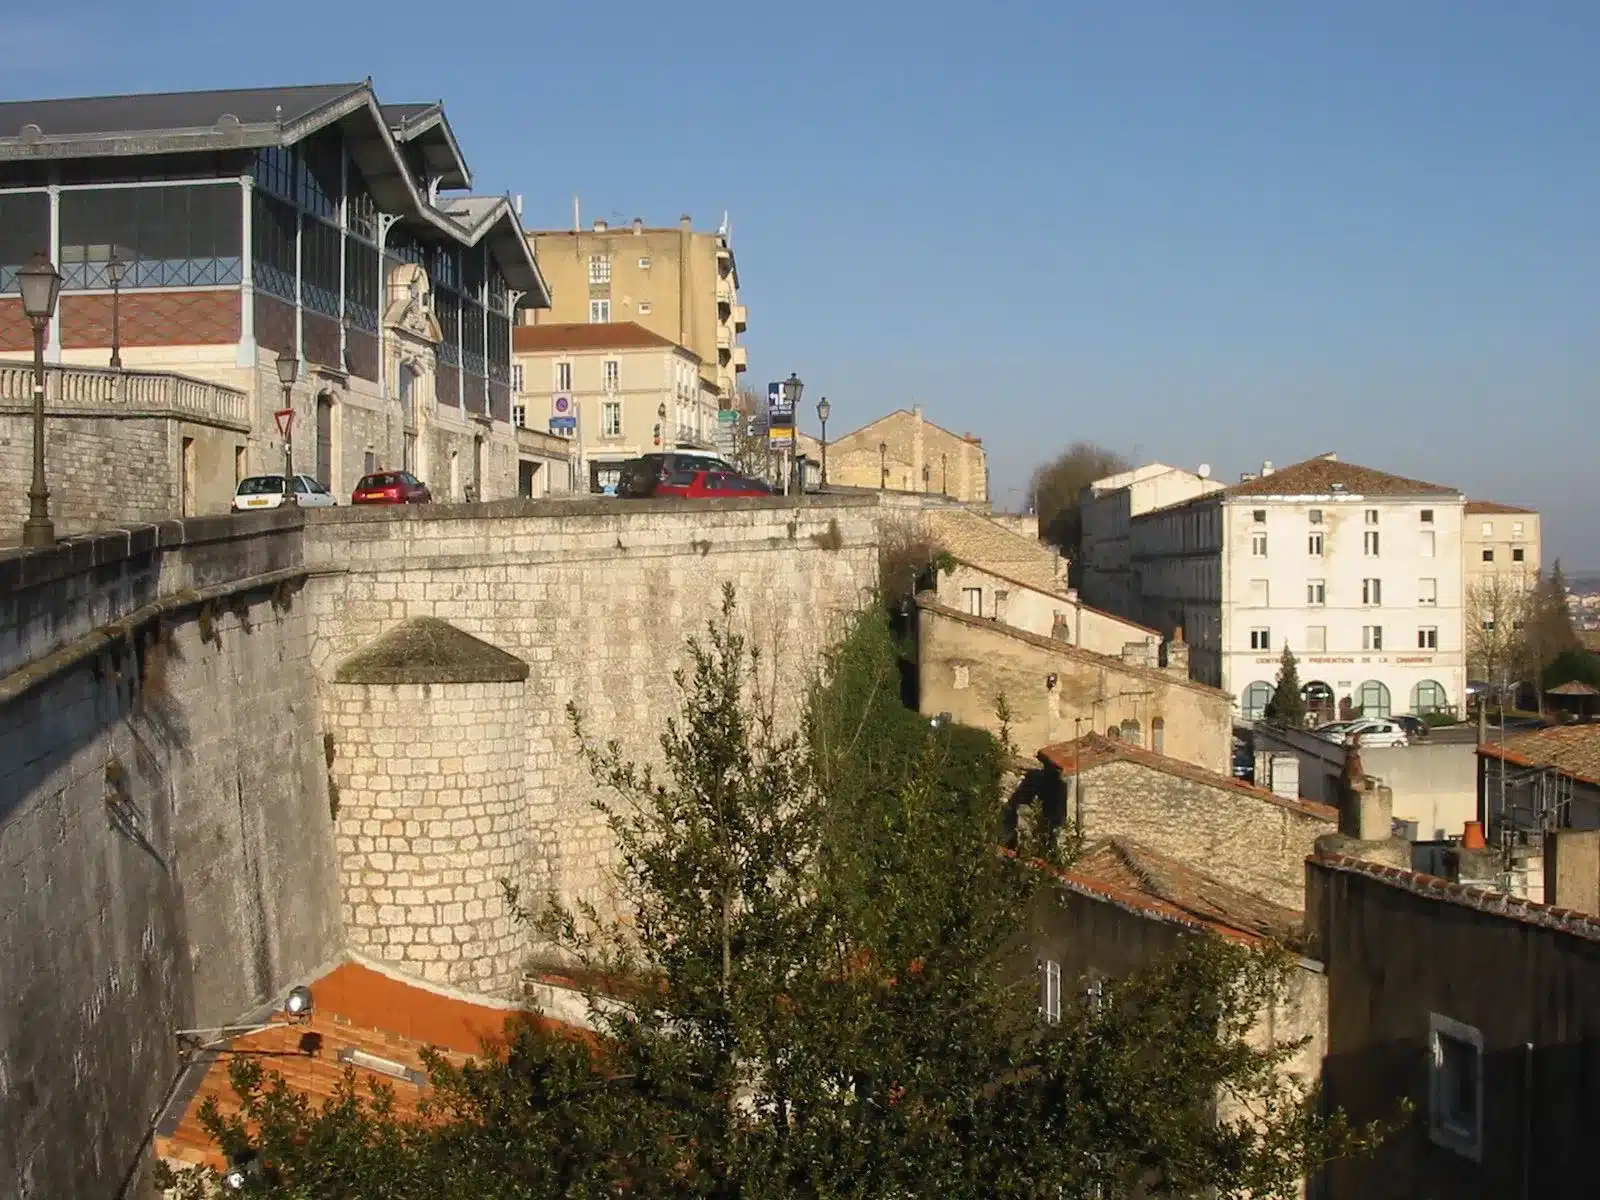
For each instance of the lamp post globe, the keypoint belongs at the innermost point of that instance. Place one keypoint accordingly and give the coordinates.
(792, 387)
(40, 285)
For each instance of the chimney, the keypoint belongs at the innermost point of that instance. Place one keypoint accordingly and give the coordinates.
(1246, 476)
(1366, 818)
(1266, 468)
(1572, 869)
(1286, 776)
(599, 225)
(1178, 654)
(638, 226)
(1139, 654)
(686, 221)
(516, 205)
(1471, 863)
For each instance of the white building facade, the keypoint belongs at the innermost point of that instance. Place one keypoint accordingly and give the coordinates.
(1356, 571)
(1108, 506)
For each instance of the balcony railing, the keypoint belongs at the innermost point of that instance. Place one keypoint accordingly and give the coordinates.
(129, 393)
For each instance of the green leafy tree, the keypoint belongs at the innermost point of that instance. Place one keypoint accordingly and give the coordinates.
(1056, 486)
(1287, 706)
(831, 995)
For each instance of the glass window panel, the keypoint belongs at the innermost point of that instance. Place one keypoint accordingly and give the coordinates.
(361, 284)
(168, 236)
(24, 229)
(319, 266)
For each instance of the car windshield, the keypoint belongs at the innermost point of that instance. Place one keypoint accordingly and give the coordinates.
(378, 481)
(260, 485)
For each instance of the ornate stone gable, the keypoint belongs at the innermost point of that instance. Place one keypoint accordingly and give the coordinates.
(410, 311)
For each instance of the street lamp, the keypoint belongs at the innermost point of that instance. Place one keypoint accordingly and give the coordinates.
(40, 284)
(792, 387)
(824, 410)
(114, 270)
(288, 371)
(883, 466)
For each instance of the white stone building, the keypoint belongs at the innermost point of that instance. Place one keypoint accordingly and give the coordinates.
(1108, 506)
(1357, 571)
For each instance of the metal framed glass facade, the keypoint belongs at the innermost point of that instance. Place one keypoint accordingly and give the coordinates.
(272, 245)
(447, 308)
(24, 230)
(319, 266)
(361, 284)
(177, 237)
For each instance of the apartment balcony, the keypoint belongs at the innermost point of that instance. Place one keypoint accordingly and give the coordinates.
(741, 359)
(724, 294)
(724, 338)
(741, 316)
(101, 391)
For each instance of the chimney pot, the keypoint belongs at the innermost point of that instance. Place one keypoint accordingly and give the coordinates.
(1266, 467)
(638, 225)
(1472, 837)
(599, 225)
(686, 221)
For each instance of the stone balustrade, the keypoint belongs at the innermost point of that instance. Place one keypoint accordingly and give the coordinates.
(101, 389)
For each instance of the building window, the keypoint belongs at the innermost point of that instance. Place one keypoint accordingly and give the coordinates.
(1486, 529)
(1516, 529)
(1427, 516)
(1255, 700)
(1488, 555)
(1261, 639)
(1427, 591)
(1259, 516)
(1260, 594)
(1428, 697)
(1372, 637)
(519, 416)
(516, 377)
(1316, 592)
(1316, 639)
(1427, 543)
(1488, 624)
(599, 312)
(1369, 543)
(1258, 545)
(1158, 735)
(1428, 637)
(1373, 699)
(1516, 554)
(563, 377)
(645, 308)
(1050, 991)
(611, 419)
(599, 269)
(1372, 592)
(1455, 1086)
(24, 228)
(973, 599)
(1315, 516)
(1314, 545)
(644, 262)
(165, 237)
(612, 373)
(1372, 516)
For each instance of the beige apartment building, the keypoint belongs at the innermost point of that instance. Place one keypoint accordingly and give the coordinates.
(902, 452)
(1498, 542)
(675, 282)
(616, 390)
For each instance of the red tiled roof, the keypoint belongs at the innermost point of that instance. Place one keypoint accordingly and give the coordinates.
(1573, 750)
(1319, 477)
(1095, 750)
(1489, 900)
(355, 1008)
(1490, 507)
(609, 335)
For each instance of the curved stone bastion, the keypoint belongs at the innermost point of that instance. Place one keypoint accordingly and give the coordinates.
(426, 743)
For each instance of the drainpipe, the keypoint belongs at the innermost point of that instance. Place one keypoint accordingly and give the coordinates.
(1527, 1120)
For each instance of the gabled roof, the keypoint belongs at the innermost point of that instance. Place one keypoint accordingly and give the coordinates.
(256, 118)
(908, 414)
(1487, 508)
(428, 650)
(988, 545)
(605, 335)
(1095, 750)
(425, 125)
(1326, 476)
(1572, 750)
(1124, 872)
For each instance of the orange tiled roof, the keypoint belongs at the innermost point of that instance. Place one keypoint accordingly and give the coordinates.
(1319, 477)
(606, 335)
(1094, 750)
(1490, 507)
(356, 1008)
(1131, 874)
(1573, 750)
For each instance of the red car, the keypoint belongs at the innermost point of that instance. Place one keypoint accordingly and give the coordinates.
(695, 485)
(391, 487)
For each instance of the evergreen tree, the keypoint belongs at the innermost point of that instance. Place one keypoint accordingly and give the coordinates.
(829, 997)
(1287, 706)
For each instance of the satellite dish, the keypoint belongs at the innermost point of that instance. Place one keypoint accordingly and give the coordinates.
(1205, 471)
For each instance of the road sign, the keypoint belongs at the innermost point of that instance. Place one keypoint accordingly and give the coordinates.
(561, 405)
(285, 418)
(563, 422)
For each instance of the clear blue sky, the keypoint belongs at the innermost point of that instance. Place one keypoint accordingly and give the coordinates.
(1197, 231)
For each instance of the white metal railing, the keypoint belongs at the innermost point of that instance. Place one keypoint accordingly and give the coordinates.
(137, 391)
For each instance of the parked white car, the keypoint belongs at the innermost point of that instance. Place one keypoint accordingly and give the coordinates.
(266, 491)
(1373, 731)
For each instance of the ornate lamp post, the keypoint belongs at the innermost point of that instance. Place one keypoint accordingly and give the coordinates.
(824, 410)
(114, 271)
(883, 466)
(792, 387)
(40, 284)
(288, 372)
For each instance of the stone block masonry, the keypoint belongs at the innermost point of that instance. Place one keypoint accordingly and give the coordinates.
(597, 596)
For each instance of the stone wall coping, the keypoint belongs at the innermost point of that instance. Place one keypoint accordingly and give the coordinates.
(556, 507)
(926, 603)
(1492, 902)
(21, 569)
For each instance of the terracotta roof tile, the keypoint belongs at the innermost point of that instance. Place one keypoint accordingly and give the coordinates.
(612, 335)
(1573, 750)
(1325, 476)
(1095, 750)
(1490, 507)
